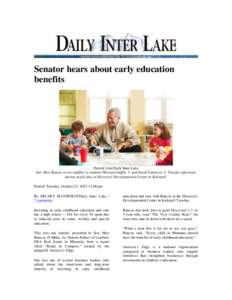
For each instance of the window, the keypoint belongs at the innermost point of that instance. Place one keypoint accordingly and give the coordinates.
(122, 104)
(159, 109)
(153, 109)
(67, 108)
(169, 118)
(97, 110)
(98, 107)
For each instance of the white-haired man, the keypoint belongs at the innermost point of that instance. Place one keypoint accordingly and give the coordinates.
(119, 135)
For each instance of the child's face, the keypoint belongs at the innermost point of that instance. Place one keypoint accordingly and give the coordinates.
(77, 134)
(157, 131)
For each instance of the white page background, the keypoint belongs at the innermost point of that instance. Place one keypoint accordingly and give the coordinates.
(202, 95)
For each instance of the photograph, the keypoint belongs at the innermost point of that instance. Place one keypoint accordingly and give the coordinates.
(133, 127)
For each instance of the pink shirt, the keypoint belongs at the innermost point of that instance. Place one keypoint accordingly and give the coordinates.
(159, 142)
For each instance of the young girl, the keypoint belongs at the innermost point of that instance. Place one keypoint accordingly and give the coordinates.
(161, 138)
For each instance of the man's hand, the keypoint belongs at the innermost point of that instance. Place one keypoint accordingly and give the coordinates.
(123, 145)
(120, 146)
(91, 141)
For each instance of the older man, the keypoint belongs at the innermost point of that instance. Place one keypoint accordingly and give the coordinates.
(119, 135)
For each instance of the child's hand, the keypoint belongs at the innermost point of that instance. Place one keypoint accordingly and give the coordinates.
(158, 153)
(70, 148)
(154, 148)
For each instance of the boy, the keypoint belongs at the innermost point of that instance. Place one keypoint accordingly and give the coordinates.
(75, 139)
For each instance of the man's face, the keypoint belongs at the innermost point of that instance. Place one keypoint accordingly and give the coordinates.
(112, 119)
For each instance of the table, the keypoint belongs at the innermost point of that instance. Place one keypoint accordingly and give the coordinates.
(124, 159)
